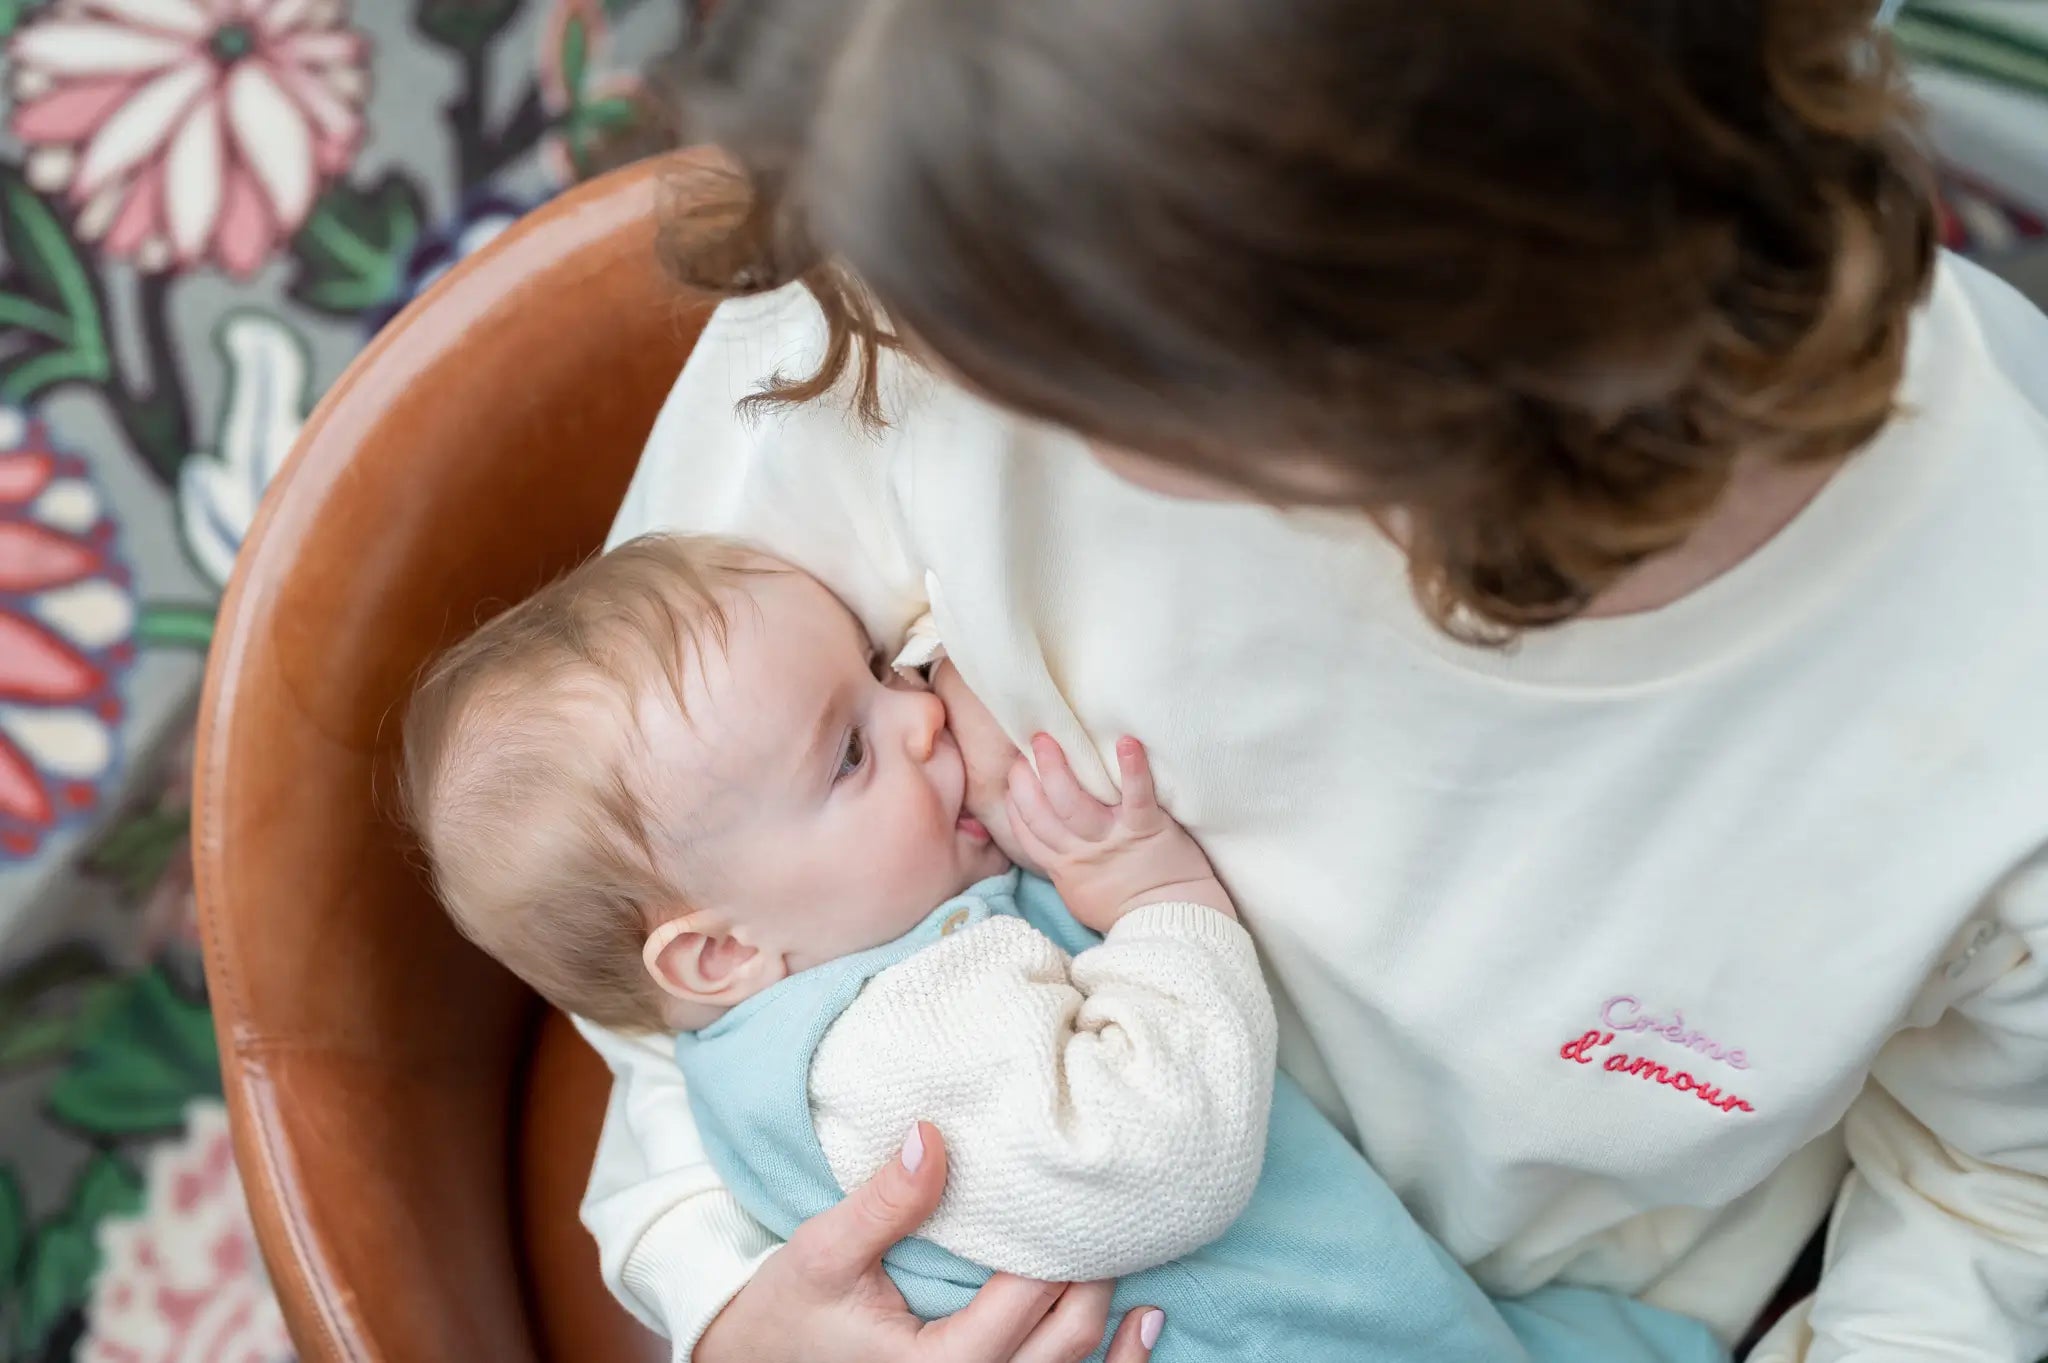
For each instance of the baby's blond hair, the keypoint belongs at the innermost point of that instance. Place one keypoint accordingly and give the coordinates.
(522, 761)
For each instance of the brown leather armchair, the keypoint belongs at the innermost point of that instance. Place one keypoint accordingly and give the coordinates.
(414, 1128)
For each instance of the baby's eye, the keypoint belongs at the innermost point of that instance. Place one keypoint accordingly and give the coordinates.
(854, 756)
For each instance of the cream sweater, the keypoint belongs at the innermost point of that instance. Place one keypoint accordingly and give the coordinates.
(1614, 951)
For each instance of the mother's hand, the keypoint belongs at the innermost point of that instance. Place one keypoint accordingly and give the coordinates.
(825, 1298)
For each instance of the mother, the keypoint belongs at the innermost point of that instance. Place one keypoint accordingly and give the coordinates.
(1663, 641)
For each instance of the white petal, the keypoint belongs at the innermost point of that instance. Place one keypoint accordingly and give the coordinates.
(13, 428)
(267, 371)
(177, 16)
(284, 16)
(98, 214)
(193, 180)
(320, 101)
(70, 505)
(275, 141)
(266, 399)
(49, 168)
(326, 47)
(210, 539)
(480, 234)
(348, 82)
(138, 128)
(83, 48)
(30, 82)
(89, 614)
(65, 743)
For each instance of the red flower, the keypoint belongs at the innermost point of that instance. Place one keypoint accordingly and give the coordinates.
(65, 619)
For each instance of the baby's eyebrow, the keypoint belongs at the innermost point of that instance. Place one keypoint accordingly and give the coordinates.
(825, 731)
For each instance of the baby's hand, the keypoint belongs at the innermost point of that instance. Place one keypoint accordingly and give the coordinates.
(1107, 860)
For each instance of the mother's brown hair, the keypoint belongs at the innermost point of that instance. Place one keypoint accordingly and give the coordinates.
(1533, 272)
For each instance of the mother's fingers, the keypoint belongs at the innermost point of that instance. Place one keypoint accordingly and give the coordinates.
(839, 1246)
(1073, 1329)
(992, 1327)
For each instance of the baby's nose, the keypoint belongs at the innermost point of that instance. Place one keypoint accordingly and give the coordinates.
(927, 722)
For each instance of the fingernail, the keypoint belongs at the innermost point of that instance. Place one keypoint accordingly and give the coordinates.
(913, 1153)
(1149, 1328)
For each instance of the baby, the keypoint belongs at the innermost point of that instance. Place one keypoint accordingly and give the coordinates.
(680, 791)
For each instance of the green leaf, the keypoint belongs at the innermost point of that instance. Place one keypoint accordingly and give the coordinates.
(29, 315)
(54, 1282)
(52, 299)
(353, 250)
(147, 1056)
(13, 1232)
(466, 25)
(108, 1187)
(57, 1273)
(575, 57)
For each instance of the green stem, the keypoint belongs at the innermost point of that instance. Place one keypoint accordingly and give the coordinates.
(164, 625)
(16, 311)
(27, 380)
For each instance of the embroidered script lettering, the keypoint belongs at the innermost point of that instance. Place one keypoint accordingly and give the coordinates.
(1624, 1013)
(1580, 1051)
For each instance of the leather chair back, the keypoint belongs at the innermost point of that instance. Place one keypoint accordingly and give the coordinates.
(413, 1127)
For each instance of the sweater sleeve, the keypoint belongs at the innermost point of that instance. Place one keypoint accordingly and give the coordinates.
(1939, 1246)
(811, 487)
(1103, 1113)
(673, 1245)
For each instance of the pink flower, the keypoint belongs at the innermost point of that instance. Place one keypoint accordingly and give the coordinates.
(189, 130)
(183, 1282)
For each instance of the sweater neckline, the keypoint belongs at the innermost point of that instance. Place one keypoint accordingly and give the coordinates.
(1816, 559)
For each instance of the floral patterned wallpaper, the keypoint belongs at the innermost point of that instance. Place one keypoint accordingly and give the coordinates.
(206, 207)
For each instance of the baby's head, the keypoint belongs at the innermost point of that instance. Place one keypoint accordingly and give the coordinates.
(677, 775)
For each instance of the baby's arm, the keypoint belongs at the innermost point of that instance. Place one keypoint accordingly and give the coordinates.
(1103, 1113)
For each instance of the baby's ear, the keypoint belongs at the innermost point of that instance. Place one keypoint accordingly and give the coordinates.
(697, 960)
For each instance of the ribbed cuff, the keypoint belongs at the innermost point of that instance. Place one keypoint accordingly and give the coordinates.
(1184, 921)
(693, 1261)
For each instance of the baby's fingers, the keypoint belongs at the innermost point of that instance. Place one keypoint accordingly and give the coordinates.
(1136, 770)
(1027, 848)
(1081, 812)
(1032, 815)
